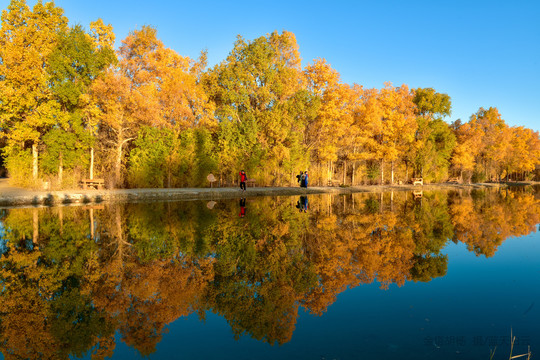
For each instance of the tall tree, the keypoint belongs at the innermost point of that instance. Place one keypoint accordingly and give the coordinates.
(74, 64)
(469, 142)
(151, 86)
(27, 107)
(493, 128)
(260, 104)
(394, 126)
(329, 132)
(434, 141)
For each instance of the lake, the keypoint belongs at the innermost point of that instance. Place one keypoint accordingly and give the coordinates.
(394, 275)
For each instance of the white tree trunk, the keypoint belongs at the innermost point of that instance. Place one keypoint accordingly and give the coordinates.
(60, 170)
(392, 179)
(34, 161)
(91, 163)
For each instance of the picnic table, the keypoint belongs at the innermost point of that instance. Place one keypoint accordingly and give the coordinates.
(92, 184)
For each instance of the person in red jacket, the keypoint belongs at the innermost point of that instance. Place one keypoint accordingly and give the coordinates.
(243, 178)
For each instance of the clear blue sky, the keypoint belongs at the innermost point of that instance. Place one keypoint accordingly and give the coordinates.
(481, 53)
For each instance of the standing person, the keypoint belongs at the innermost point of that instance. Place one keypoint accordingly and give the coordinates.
(243, 178)
(307, 179)
(299, 177)
(302, 179)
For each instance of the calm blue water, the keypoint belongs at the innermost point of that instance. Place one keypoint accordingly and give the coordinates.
(264, 273)
(467, 312)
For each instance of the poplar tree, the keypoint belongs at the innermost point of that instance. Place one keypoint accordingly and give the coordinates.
(74, 64)
(434, 141)
(261, 105)
(27, 106)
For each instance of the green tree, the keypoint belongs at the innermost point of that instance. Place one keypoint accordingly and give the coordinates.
(434, 140)
(260, 105)
(74, 63)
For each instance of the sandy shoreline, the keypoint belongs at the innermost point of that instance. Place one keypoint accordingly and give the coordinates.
(10, 196)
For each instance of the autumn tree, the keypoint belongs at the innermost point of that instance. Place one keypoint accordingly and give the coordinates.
(390, 118)
(27, 106)
(329, 132)
(494, 138)
(151, 86)
(469, 142)
(522, 152)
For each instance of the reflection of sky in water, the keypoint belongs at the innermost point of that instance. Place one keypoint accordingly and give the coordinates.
(459, 316)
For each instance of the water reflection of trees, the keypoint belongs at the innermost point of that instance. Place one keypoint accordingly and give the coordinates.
(72, 277)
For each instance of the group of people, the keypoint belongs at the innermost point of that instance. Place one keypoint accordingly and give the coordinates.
(302, 204)
(303, 179)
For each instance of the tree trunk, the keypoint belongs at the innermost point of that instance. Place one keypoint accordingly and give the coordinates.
(406, 171)
(344, 172)
(117, 165)
(382, 172)
(34, 161)
(353, 171)
(60, 170)
(91, 163)
(392, 179)
(118, 161)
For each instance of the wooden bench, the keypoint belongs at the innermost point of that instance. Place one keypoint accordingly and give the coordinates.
(454, 180)
(418, 181)
(92, 183)
(251, 182)
(333, 182)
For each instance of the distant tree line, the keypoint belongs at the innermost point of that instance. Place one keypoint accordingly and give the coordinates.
(72, 107)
